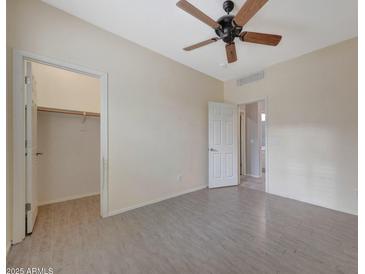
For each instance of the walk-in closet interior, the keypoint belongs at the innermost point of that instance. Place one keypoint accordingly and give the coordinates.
(68, 134)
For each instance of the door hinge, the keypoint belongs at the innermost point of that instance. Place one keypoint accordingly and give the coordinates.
(27, 80)
(28, 207)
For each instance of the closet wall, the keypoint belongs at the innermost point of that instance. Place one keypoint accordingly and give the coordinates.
(59, 88)
(70, 165)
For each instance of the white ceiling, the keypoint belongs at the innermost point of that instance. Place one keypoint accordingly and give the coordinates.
(305, 25)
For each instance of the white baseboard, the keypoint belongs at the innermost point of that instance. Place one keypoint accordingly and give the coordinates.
(64, 199)
(251, 175)
(313, 203)
(119, 211)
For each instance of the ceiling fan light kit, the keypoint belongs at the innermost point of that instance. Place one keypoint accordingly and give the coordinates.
(229, 27)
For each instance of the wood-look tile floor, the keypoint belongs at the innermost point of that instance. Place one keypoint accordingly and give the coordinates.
(253, 183)
(228, 230)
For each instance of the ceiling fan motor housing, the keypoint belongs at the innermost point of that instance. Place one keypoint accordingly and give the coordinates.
(228, 6)
(228, 32)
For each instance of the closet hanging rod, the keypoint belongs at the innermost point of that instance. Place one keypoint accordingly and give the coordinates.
(66, 111)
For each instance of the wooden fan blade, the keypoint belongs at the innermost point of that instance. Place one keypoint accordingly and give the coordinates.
(260, 38)
(198, 14)
(231, 53)
(247, 11)
(203, 43)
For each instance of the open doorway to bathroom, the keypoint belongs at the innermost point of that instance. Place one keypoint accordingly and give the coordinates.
(252, 136)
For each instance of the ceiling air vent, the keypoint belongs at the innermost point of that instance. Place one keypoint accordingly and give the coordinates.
(251, 78)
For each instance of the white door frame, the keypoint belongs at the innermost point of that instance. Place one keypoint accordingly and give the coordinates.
(265, 99)
(242, 147)
(19, 166)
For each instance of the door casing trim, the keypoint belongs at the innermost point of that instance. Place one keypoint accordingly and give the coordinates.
(267, 168)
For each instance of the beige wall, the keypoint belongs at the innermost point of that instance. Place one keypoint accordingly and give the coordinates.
(59, 88)
(70, 165)
(157, 108)
(312, 125)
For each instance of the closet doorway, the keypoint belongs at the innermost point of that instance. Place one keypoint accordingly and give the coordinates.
(63, 112)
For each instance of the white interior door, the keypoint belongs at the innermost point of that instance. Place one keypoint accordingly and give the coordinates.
(222, 145)
(31, 150)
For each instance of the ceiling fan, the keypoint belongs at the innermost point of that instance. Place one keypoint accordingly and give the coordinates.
(229, 27)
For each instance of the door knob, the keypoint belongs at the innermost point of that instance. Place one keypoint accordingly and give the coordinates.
(39, 153)
(212, 149)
